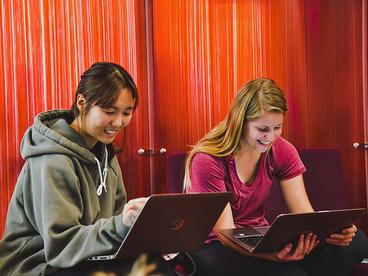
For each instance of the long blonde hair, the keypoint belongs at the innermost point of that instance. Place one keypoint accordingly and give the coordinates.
(257, 96)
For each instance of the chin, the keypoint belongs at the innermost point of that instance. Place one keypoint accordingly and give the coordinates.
(262, 149)
(106, 140)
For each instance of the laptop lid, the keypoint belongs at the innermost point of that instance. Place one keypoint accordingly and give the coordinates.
(171, 223)
(288, 227)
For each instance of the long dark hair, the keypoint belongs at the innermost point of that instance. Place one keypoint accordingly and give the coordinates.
(101, 85)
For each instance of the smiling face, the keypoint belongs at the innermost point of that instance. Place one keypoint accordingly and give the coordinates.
(103, 123)
(260, 133)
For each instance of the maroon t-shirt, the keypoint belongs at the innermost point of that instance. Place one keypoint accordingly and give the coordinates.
(218, 174)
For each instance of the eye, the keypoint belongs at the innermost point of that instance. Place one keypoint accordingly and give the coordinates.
(128, 112)
(266, 129)
(108, 111)
(278, 127)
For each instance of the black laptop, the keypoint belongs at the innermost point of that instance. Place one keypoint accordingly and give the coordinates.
(288, 227)
(170, 223)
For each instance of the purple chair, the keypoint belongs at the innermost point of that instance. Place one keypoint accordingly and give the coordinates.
(175, 166)
(323, 182)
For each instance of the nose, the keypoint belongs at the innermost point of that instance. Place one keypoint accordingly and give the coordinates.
(270, 136)
(121, 120)
(118, 121)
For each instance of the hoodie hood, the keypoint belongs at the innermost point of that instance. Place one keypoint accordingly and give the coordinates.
(52, 134)
(66, 206)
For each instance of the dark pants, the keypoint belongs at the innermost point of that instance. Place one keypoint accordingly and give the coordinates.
(215, 259)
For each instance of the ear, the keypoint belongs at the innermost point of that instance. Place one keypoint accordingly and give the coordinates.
(81, 103)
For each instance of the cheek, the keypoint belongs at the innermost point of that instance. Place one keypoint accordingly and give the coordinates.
(127, 120)
(259, 135)
(253, 136)
(99, 119)
(95, 122)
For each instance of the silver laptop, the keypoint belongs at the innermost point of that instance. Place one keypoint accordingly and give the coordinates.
(288, 227)
(170, 223)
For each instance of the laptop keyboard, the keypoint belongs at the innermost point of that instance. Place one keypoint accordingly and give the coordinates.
(250, 240)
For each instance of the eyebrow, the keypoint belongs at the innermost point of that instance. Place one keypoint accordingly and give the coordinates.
(115, 108)
(268, 126)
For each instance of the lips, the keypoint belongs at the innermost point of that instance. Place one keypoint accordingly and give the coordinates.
(265, 143)
(111, 132)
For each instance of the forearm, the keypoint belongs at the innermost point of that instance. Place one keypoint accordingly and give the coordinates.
(65, 248)
(295, 195)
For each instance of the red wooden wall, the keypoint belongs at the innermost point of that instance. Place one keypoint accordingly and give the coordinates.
(188, 59)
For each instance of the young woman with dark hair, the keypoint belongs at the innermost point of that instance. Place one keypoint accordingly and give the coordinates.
(69, 202)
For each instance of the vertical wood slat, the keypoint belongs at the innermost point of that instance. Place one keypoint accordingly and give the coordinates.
(365, 85)
(45, 46)
(204, 51)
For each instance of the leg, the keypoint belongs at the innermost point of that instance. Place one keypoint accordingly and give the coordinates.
(113, 267)
(215, 259)
(336, 260)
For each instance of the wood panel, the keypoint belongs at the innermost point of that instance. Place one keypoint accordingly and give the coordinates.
(203, 52)
(332, 104)
(45, 46)
(365, 85)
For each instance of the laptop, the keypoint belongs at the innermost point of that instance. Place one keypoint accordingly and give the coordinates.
(170, 223)
(287, 228)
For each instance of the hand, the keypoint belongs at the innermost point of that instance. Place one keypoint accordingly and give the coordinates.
(132, 209)
(306, 244)
(343, 239)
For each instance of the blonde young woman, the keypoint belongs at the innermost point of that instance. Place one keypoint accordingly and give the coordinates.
(242, 154)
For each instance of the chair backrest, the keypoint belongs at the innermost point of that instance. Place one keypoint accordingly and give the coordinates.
(175, 165)
(323, 181)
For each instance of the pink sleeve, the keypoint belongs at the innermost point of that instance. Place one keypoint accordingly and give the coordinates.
(287, 161)
(207, 174)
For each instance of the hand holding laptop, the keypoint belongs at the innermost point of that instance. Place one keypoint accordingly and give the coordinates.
(131, 210)
(332, 226)
(344, 238)
(306, 243)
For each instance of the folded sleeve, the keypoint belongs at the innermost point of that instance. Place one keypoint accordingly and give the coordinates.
(207, 174)
(287, 161)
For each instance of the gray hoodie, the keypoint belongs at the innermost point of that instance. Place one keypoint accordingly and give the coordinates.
(55, 218)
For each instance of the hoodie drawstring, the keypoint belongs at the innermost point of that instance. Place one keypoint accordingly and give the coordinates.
(102, 174)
